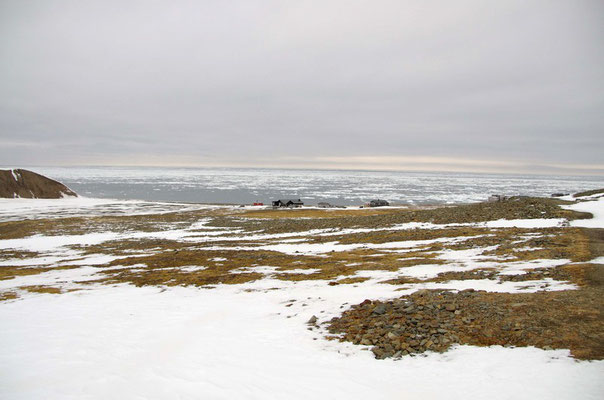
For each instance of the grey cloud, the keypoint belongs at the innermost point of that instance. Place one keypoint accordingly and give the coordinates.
(215, 81)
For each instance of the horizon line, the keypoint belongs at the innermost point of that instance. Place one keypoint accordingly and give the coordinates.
(560, 172)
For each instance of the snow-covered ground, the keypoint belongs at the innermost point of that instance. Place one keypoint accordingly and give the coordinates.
(596, 207)
(251, 340)
(186, 343)
(18, 209)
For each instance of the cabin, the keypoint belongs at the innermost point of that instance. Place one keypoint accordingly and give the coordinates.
(291, 203)
(495, 198)
(378, 203)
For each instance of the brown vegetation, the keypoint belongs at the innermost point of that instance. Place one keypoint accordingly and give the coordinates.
(588, 193)
(435, 320)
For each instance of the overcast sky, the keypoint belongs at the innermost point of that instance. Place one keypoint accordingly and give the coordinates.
(449, 85)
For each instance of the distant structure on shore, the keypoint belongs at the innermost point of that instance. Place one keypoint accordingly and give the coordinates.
(378, 203)
(494, 198)
(290, 203)
(21, 183)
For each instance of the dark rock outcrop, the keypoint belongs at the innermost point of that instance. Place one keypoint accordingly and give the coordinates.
(22, 183)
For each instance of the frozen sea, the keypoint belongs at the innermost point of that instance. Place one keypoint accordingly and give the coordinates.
(241, 186)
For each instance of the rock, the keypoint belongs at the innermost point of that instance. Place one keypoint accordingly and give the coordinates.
(377, 352)
(391, 335)
(380, 309)
(450, 307)
(312, 320)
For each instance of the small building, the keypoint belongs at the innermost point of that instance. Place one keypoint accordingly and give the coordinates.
(494, 198)
(324, 204)
(291, 203)
(378, 203)
(257, 203)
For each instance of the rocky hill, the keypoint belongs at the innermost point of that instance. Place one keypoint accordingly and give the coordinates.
(21, 183)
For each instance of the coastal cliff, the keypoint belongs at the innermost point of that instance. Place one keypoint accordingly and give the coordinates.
(21, 183)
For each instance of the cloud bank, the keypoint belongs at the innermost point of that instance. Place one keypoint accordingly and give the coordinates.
(469, 85)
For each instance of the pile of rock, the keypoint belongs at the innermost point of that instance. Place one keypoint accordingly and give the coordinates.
(403, 326)
(433, 320)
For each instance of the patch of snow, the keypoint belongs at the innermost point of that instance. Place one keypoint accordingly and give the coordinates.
(323, 248)
(67, 196)
(192, 268)
(64, 278)
(40, 243)
(594, 207)
(33, 261)
(528, 249)
(466, 255)
(525, 223)
(293, 240)
(268, 270)
(12, 210)
(307, 271)
(496, 286)
(521, 267)
(202, 224)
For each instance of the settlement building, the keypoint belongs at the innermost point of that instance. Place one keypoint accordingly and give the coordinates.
(291, 203)
(378, 203)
